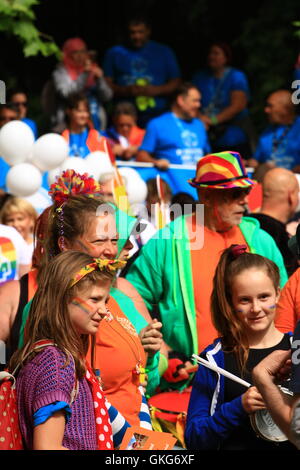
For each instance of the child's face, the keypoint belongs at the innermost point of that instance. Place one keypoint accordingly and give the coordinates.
(123, 124)
(88, 308)
(22, 222)
(254, 299)
(79, 116)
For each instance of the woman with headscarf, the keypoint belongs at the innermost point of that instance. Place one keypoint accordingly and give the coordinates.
(78, 72)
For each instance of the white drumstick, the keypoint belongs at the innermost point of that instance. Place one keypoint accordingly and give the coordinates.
(221, 371)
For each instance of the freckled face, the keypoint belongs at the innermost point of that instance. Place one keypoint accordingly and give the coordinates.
(254, 299)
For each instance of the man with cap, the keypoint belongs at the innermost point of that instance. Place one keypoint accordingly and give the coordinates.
(175, 270)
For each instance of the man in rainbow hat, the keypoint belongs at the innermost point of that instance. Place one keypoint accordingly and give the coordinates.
(176, 273)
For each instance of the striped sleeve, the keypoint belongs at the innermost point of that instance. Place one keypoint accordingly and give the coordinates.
(144, 414)
(118, 424)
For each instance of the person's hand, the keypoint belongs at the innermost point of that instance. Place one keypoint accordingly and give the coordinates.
(162, 164)
(252, 400)
(96, 70)
(206, 120)
(130, 152)
(151, 337)
(275, 367)
(93, 68)
(118, 150)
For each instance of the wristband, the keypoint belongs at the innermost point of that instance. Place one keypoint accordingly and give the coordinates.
(214, 120)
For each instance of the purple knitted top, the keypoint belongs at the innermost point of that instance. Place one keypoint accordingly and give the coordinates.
(44, 380)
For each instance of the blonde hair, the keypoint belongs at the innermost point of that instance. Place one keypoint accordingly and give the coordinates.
(49, 316)
(17, 204)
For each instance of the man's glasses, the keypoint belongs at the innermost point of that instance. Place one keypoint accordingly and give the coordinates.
(237, 193)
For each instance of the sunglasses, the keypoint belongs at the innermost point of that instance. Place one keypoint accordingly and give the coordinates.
(237, 193)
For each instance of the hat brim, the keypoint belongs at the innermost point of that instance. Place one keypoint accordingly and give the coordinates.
(241, 183)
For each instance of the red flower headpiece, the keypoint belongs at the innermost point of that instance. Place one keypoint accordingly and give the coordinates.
(71, 183)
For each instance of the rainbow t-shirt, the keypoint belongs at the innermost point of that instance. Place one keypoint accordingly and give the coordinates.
(8, 258)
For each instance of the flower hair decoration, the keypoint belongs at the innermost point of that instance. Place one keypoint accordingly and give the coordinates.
(237, 250)
(110, 265)
(70, 183)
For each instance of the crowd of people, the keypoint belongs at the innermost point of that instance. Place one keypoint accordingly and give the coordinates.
(101, 309)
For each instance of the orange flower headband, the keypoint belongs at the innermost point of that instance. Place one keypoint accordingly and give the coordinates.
(102, 264)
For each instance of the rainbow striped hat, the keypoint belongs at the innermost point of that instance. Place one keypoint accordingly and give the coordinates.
(221, 170)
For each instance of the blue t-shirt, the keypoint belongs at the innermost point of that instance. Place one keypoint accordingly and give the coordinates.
(32, 126)
(154, 62)
(216, 97)
(175, 139)
(280, 144)
(77, 144)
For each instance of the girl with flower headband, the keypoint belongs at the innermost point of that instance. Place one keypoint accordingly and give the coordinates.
(243, 304)
(60, 402)
(72, 223)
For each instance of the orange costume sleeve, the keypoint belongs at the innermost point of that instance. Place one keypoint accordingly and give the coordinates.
(288, 307)
(118, 353)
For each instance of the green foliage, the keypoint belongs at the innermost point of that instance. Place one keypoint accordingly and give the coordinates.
(17, 19)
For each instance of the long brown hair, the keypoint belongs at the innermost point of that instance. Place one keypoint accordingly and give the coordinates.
(224, 317)
(49, 317)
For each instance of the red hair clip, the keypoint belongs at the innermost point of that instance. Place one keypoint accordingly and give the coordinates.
(237, 250)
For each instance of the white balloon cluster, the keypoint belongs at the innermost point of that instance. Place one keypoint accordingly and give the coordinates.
(29, 158)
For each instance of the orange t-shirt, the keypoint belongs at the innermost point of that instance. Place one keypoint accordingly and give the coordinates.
(204, 263)
(288, 307)
(118, 351)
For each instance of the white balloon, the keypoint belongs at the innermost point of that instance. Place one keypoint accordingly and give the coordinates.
(52, 174)
(75, 163)
(23, 179)
(136, 187)
(49, 151)
(16, 141)
(99, 163)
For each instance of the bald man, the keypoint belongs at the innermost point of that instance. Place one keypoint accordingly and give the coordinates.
(279, 144)
(280, 200)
